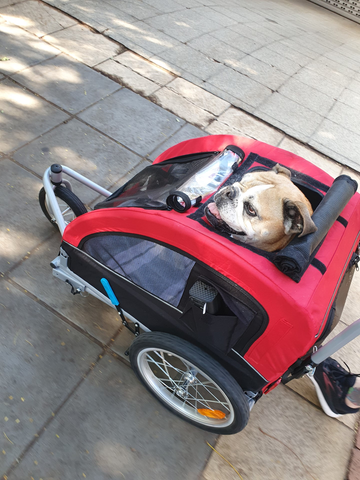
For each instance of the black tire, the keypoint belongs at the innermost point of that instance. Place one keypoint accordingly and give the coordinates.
(66, 196)
(231, 409)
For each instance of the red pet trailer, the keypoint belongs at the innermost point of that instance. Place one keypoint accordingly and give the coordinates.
(217, 323)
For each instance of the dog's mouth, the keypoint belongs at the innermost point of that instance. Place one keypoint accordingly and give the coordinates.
(213, 215)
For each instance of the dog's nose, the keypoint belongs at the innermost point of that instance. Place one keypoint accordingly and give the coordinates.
(231, 192)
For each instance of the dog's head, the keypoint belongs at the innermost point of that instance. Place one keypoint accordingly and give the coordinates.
(265, 210)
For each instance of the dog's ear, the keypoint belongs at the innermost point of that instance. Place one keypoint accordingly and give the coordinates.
(297, 218)
(281, 170)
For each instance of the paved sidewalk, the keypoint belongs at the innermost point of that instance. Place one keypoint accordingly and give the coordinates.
(71, 407)
(291, 63)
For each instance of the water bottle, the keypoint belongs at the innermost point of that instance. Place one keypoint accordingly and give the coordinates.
(210, 177)
(207, 180)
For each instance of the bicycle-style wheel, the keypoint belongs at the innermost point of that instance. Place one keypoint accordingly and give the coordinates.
(189, 382)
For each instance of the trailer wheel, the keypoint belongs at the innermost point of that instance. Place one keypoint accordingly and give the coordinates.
(70, 205)
(190, 383)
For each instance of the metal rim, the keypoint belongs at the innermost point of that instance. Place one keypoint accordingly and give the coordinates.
(184, 387)
(66, 211)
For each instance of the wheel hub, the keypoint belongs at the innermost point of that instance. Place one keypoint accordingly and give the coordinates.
(181, 392)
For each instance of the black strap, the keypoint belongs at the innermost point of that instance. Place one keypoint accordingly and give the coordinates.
(342, 220)
(319, 265)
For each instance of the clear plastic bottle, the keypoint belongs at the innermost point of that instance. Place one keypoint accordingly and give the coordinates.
(209, 178)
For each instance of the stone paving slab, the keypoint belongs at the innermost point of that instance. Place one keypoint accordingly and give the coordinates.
(227, 96)
(21, 226)
(112, 428)
(189, 60)
(354, 86)
(83, 149)
(35, 275)
(36, 17)
(58, 80)
(213, 48)
(140, 34)
(144, 68)
(4, 3)
(179, 105)
(345, 116)
(133, 121)
(287, 51)
(84, 45)
(350, 98)
(96, 13)
(231, 82)
(337, 142)
(24, 116)
(198, 96)
(79, 11)
(315, 80)
(247, 125)
(236, 39)
(287, 112)
(184, 25)
(259, 71)
(127, 77)
(22, 48)
(332, 70)
(293, 440)
(307, 96)
(186, 133)
(42, 361)
(266, 55)
(137, 9)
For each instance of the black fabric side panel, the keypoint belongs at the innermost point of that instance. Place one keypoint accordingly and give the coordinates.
(157, 315)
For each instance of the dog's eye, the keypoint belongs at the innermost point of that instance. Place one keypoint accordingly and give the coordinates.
(249, 209)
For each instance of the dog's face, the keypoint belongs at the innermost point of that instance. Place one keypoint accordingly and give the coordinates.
(265, 210)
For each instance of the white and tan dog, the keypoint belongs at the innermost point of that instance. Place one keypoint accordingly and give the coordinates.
(265, 210)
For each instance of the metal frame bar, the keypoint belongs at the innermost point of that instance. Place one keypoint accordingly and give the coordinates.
(62, 272)
(343, 338)
(51, 198)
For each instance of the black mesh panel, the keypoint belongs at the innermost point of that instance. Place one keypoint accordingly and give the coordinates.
(153, 267)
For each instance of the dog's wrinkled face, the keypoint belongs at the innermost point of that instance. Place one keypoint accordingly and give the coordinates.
(265, 209)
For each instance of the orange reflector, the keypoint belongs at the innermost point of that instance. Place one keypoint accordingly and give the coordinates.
(206, 412)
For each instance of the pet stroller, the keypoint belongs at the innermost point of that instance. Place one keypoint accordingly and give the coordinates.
(217, 323)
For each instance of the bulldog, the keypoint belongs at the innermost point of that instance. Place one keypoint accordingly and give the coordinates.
(265, 210)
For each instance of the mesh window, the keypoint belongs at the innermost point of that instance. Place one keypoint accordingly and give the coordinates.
(151, 187)
(153, 267)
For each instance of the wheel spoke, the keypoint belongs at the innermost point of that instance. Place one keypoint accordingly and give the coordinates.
(207, 401)
(185, 388)
(216, 399)
(165, 371)
(168, 364)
